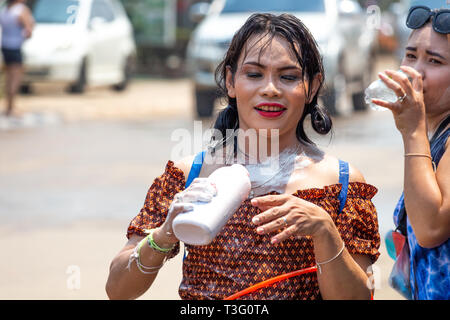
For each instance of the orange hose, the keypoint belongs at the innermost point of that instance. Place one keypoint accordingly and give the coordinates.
(270, 281)
(273, 280)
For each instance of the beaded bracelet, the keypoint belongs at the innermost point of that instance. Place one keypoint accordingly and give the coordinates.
(136, 255)
(153, 244)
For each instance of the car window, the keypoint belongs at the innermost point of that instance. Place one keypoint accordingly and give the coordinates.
(271, 5)
(118, 8)
(55, 11)
(102, 9)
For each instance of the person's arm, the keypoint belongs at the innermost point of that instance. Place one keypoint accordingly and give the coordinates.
(342, 278)
(130, 283)
(125, 280)
(426, 193)
(27, 20)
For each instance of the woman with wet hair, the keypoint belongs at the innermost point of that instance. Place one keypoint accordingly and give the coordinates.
(307, 56)
(311, 212)
(422, 116)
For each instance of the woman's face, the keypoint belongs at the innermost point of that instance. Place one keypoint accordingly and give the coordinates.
(429, 53)
(268, 86)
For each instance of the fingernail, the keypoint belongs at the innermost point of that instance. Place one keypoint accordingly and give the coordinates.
(254, 202)
(260, 230)
(255, 220)
(273, 240)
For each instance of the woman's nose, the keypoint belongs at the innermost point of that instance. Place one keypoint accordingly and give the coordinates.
(419, 67)
(270, 88)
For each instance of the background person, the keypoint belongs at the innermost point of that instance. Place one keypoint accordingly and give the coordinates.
(271, 75)
(17, 23)
(421, 114)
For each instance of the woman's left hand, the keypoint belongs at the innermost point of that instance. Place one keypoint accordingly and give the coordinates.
(291, 216)
(409, 109)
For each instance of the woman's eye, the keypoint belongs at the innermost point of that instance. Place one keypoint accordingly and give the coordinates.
(289, 77)
(434, 61)
(409, 56)
(253, 74)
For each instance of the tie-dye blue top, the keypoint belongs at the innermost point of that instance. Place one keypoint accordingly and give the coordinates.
(430, 268)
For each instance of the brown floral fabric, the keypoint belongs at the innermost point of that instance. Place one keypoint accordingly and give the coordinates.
(238, 257)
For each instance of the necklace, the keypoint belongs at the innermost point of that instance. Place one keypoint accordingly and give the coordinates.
(280, 169)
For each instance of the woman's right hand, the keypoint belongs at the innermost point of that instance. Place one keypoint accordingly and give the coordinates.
(200, 190)
(409, 112)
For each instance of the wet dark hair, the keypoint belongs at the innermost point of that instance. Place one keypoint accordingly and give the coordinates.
(295, 32)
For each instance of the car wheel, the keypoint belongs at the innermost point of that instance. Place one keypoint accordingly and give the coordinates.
(26, 88)
(334, 98)
(127, 71)
(329, 101)
(359, 103)
(80, 85)
(205, 102)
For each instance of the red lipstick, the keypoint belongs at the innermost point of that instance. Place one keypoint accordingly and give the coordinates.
(270, 114)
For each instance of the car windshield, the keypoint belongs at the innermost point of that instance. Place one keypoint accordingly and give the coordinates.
(55, 11)
(232, 6)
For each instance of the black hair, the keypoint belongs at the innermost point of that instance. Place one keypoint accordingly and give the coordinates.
(295, 32)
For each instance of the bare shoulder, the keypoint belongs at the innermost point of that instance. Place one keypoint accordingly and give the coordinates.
(185, 164)
(26, 14)
(24, 9)
(331, 165)
(355, 175)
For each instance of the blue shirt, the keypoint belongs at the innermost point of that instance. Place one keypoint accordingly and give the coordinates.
(429, 268)
(12, 29)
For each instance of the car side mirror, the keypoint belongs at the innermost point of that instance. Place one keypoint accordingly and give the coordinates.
(96, 23)
(198, 11)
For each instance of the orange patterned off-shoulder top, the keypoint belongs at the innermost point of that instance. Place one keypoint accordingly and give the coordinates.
(239, 257)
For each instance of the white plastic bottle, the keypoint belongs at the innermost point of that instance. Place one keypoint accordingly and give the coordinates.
(378, 90)
(201, 225)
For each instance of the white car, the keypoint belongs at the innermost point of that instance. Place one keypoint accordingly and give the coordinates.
(79, 42)
(347, 43)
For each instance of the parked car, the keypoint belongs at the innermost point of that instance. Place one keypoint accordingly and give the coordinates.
(79, 42)
(347, 42)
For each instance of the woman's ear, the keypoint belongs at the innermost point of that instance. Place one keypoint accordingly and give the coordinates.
(229, 82)
(315, 85)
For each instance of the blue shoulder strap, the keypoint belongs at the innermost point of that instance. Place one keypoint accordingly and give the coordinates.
(193, 173)
(343, 179)
(195, 168)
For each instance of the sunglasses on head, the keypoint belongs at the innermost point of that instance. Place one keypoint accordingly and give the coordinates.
(419, 15)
